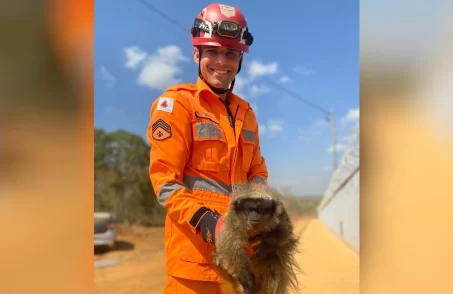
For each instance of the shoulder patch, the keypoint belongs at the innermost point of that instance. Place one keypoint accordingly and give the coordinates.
(161, 130)
(165, 104)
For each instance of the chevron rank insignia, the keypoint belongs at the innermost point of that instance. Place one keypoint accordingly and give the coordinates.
(161, 130)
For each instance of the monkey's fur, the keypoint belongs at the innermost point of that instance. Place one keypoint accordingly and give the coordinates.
(273, 268)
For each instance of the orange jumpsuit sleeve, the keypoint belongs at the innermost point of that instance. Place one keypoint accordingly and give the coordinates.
(258, 169)
(170, 136)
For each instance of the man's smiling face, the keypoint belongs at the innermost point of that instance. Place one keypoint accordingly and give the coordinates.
(218, 65)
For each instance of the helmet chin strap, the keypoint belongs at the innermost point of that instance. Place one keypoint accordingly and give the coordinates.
(218, 91)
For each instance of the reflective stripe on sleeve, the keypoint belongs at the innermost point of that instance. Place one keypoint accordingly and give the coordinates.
(192, 183)
(249, 136)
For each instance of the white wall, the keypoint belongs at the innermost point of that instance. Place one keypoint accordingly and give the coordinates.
(342, 213)
(339, 209)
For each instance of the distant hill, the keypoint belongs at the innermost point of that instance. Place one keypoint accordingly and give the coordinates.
(302, 205)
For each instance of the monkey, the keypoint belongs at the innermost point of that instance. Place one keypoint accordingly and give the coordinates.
(256, 212)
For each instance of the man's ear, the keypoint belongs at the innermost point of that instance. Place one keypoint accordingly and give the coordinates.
(196, 54)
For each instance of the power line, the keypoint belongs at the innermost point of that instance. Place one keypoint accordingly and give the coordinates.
(163, 15)
(298, 97)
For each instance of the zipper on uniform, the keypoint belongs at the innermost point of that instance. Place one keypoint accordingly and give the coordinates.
(230, 118)
(232, 121)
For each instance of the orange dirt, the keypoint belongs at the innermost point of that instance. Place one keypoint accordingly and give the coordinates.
(329, 265)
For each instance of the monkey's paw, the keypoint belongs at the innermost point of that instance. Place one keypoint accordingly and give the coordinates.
(267, 246)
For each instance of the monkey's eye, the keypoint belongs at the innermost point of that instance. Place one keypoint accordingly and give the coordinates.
(266, 207)
(239, 205)
(264, 210)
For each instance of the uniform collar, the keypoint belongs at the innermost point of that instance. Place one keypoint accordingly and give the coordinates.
(202, 87)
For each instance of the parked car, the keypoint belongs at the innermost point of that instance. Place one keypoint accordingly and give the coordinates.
(104, 230)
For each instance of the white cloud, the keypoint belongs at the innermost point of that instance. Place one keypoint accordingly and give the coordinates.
(254, 106)
(272, 126)
(255, 68)
(240, 86)
(353, 114)
(159, 70)
(339, 147)
(348, 138)
(255, 90)
(134, 56)
(240, 82)
(262, 129)
(109, 79)
(284, 79)
(351, 117)
(303, 71)
(275, 125)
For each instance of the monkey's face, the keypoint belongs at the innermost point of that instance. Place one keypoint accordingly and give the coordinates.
(258, 213)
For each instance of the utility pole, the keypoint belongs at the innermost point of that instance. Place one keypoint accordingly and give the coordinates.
(334, 138)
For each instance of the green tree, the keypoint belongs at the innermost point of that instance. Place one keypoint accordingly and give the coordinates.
(122, 183)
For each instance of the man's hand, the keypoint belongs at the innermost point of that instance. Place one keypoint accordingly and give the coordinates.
(263, 245)
(211, 226)
(253, 244)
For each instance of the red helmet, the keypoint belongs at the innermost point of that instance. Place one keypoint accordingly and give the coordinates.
(221, 25)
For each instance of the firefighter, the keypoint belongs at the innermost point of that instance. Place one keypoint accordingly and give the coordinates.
(203, 139)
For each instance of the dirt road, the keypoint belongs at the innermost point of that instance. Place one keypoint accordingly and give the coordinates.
(329, 266)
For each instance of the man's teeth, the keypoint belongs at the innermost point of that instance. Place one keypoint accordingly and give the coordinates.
(220, 71)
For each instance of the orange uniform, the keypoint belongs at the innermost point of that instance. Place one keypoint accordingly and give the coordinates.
(197, 155)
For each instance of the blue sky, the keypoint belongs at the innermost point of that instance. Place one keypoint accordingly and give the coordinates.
(309, 47)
